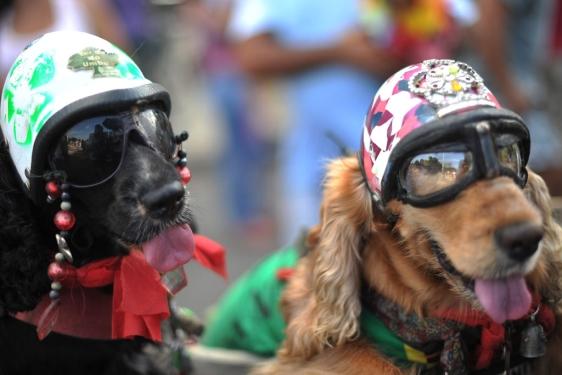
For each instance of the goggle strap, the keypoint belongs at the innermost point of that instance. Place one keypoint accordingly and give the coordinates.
(489, 162)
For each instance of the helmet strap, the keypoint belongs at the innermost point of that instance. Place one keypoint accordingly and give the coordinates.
(377, 205)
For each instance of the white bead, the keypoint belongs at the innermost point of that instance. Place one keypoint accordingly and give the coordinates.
(65, 206)
(59, 257)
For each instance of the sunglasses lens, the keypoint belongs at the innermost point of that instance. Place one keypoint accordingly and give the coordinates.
(433, 172)
(156, 129)
(91, 150)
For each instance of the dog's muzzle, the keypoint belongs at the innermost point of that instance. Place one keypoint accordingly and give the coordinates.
(519, 241)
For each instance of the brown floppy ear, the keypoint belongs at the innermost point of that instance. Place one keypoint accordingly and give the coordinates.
(551, 244)
(329, 315)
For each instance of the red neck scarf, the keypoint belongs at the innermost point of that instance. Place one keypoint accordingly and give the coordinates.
(139, 302)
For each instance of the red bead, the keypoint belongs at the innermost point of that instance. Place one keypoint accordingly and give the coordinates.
(55, 272)
(185, 175)
(52, 189)
(60, 272)
(64, 220)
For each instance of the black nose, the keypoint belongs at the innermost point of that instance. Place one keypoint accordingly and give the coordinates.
(519, 241)
(164, 199)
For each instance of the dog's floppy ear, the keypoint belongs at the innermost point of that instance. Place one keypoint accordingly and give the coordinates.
(24, 257)
(551, 243)
(333, 306)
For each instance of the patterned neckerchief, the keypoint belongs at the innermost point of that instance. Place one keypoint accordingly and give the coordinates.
(439, 343)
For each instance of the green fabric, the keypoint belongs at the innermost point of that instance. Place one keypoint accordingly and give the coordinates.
(248, 316)
(374, 330)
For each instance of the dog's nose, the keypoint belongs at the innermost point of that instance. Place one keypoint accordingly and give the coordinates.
(164, 198)
(519, 241)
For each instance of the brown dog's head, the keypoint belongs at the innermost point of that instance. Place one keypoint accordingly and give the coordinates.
(440, 212)
(449, 172)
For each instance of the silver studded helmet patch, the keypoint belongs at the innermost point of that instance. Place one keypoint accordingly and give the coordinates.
(449, 86)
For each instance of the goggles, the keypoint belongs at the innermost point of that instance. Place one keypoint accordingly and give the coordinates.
(436, 162)
(92, 151)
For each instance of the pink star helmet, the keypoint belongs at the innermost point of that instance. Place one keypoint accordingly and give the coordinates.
(433, 129)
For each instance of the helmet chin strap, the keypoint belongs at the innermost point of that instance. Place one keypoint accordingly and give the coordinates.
(379, 210)
(377, 205)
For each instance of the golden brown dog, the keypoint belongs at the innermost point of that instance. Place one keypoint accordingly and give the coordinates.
(353, 246)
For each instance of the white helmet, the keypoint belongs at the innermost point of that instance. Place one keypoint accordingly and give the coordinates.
(57, 80)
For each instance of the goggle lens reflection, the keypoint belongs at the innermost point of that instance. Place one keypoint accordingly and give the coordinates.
(433, 172)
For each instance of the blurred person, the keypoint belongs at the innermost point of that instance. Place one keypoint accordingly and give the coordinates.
(333, 56)
(553, 77)
(417, 30)
(22, 21)
(556, 31)
(135, 19)
(242, 165)
(511, 37)
(143, 31)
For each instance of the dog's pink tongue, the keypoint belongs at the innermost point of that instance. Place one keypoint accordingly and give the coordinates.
(170, 249)
(504, 299)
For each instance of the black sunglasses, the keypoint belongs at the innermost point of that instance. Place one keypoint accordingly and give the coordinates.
(92, 151)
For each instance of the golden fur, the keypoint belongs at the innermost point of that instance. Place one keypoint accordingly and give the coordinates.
(321, 302)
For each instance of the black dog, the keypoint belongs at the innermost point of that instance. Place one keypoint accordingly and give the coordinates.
(144, 198)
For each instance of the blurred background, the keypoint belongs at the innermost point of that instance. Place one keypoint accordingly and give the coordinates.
(269, 90)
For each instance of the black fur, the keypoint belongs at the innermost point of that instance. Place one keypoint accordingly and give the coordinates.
(110, 217)
(24, 245)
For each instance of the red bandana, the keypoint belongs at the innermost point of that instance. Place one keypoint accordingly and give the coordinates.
(140, 300)
(210, 254)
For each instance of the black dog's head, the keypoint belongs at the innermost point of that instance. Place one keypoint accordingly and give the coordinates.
(145, 199)
(144, 203)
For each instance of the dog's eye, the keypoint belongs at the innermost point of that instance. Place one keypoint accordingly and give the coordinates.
(435, 171)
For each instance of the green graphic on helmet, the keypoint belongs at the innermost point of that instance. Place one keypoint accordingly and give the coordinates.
(26, 111)
(129, 70)
(104, 64)
(97, 60)
(44, 71)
